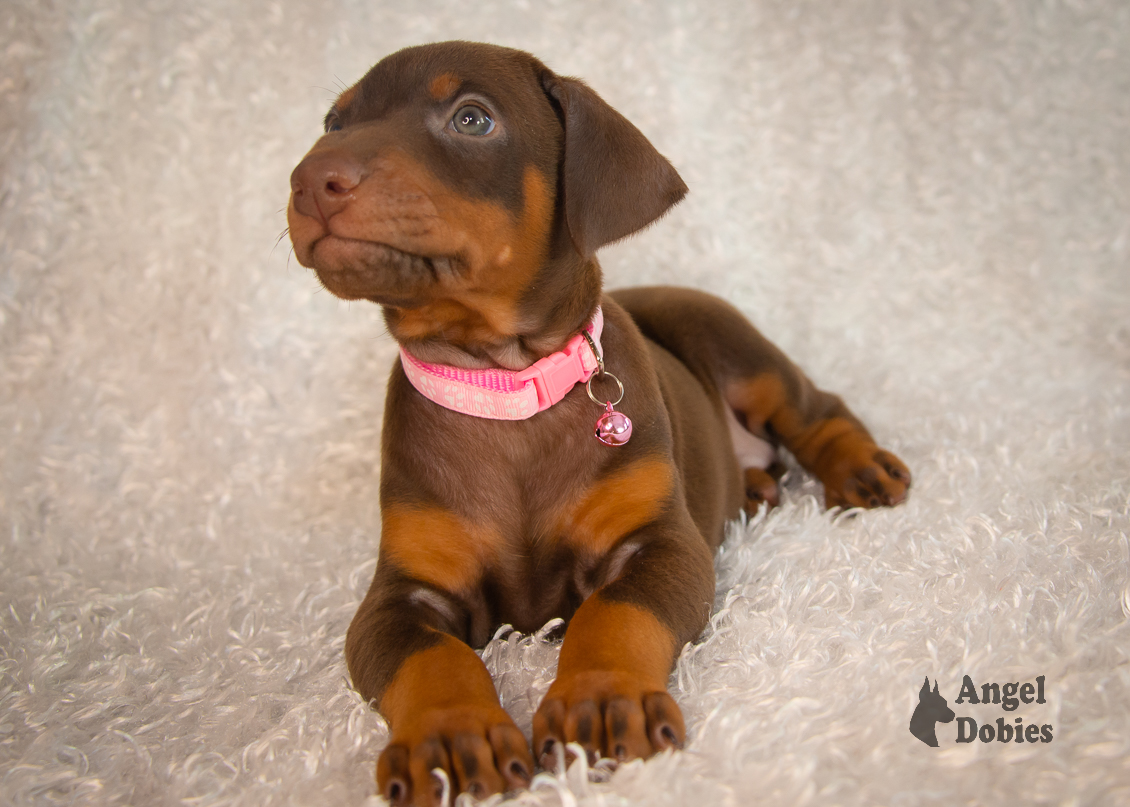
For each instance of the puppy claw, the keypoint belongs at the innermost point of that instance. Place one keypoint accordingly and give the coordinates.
(664, 720)
(393, 777)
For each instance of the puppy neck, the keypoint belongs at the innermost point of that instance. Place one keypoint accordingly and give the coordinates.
(558, 303)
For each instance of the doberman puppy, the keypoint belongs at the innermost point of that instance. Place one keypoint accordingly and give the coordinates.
(465, 189)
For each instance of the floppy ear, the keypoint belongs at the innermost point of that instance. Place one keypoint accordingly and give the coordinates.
(613, 180)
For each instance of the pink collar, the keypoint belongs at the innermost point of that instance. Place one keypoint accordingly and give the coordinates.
(508, 394)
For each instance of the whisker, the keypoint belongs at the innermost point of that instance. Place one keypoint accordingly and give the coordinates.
(278, 241)
(332, 93)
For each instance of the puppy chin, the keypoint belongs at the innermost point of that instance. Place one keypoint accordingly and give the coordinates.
(353, 269)
(348, 283)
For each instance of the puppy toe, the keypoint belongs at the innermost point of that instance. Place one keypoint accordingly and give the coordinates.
(760, 490)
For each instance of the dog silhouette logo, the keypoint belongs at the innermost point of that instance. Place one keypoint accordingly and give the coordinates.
(931, 710)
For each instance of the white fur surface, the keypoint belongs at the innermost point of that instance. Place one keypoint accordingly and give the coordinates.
(926, 205)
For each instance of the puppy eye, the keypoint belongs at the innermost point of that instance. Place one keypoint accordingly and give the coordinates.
(332, 123)
(471, 120)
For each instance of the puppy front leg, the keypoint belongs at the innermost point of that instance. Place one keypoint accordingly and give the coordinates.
(610, 695)
(405, 653)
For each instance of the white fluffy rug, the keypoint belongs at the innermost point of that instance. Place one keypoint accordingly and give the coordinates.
(927, 206)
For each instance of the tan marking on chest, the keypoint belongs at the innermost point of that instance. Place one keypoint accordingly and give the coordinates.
(617, 505)
(436, 546)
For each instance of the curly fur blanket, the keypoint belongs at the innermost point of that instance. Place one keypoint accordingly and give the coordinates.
(926, 205)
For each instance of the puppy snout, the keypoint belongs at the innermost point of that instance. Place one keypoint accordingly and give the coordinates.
(322, 185)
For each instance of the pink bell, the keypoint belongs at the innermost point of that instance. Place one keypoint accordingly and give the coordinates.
(613, 428)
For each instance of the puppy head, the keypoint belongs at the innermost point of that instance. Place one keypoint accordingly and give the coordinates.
(465, 188)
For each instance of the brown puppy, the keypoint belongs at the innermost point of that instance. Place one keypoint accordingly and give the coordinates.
(465, 189)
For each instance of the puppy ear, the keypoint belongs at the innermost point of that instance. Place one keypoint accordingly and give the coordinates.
(613, 180)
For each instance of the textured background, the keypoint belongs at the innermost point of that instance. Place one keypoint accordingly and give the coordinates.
(927, 206)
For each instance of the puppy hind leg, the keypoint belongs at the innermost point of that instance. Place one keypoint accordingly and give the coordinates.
(826, 438)
(770, 396)
(760, 469)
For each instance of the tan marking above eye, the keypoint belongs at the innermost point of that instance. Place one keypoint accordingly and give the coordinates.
(345, 99)
(443, 86)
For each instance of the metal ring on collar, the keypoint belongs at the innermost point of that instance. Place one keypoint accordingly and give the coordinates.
(593, 398)
(595, 352)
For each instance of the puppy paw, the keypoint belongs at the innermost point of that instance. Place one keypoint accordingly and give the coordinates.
(481, 752)
(857, 473)
(609, 714)
(760, 490)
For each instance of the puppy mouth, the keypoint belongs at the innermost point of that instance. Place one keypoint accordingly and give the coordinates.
(355, 269)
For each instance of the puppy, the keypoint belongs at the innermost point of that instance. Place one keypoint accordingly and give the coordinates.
(548, 450)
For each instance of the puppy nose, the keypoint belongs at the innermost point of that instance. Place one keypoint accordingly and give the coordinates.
(322, 185)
